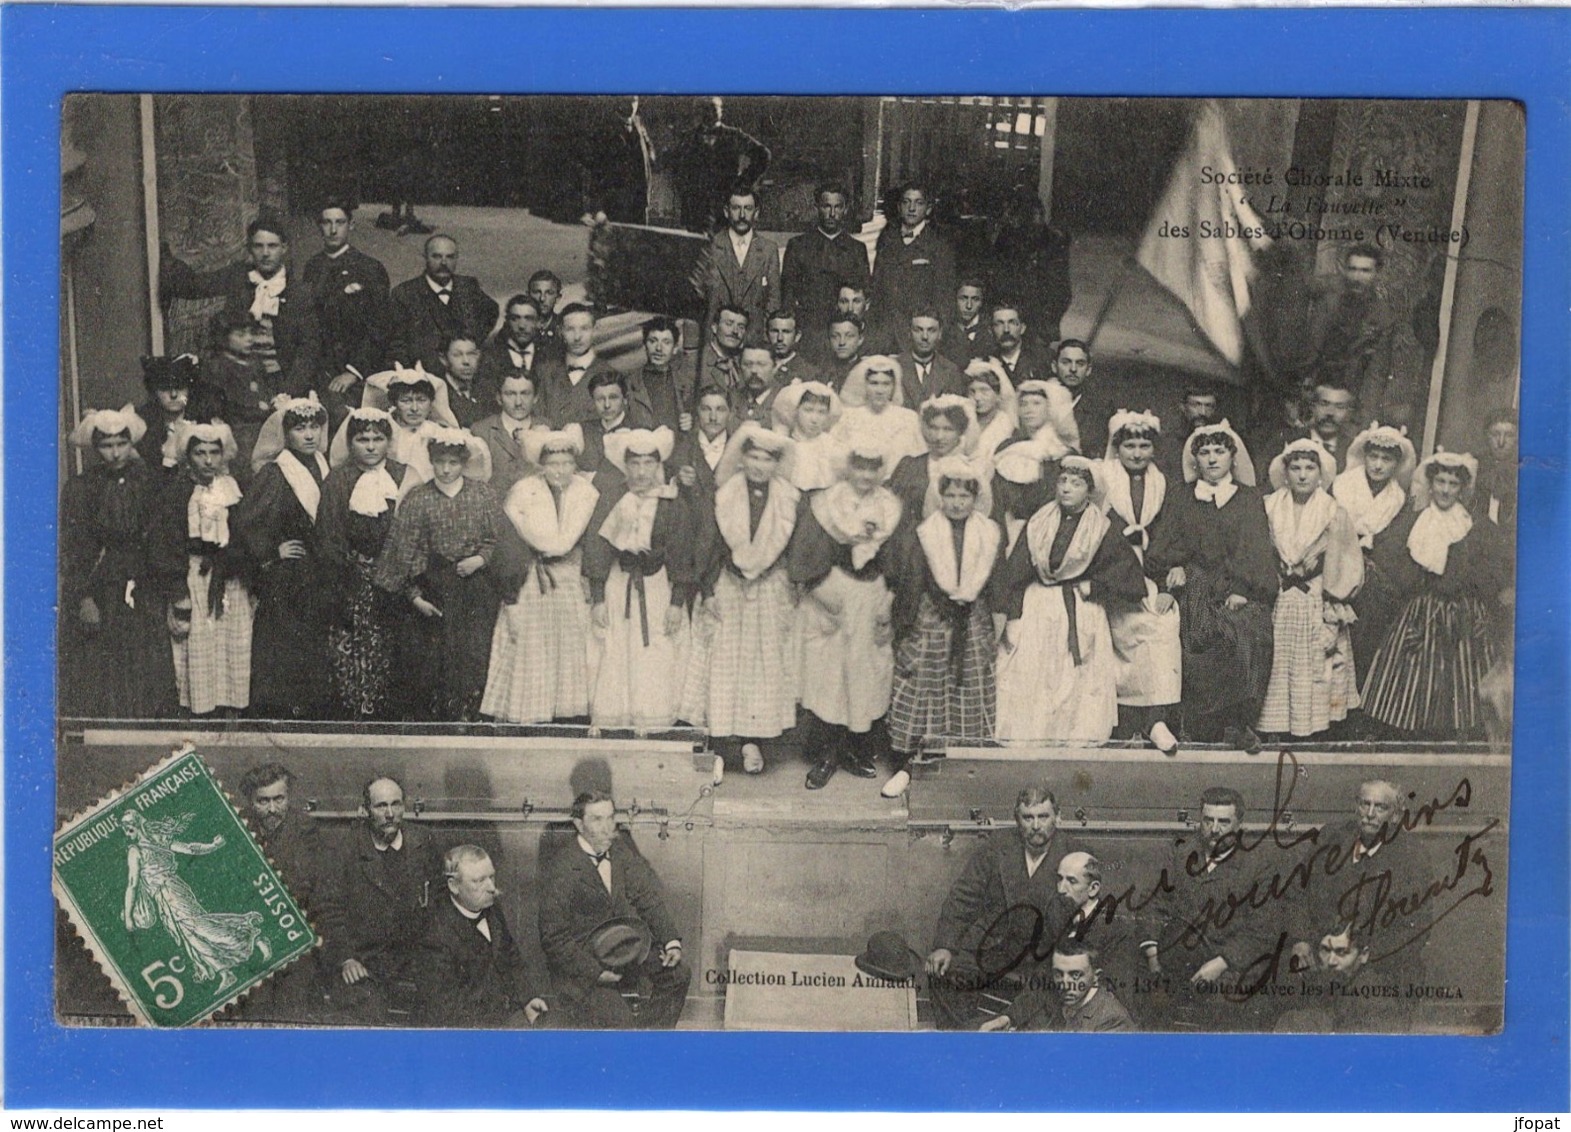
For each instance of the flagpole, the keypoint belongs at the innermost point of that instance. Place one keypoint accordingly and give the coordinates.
(1108, 302)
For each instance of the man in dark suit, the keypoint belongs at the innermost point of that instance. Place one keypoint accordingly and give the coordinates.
(924, 371)
(596, 876)
(613, 413)
(467, 396)
(785, 335)
(470, 972)
(1075, 998)
(720, 361)
(1001, 917)
(754, 399)
(847, 348)
(287, 338)
(380, 898)
(1333, 412)
(515, 347)
(816, 262)
(741, 267)
(697, 453)
(1199, 407)
(563, 382)
(663, 389)
(914, 265)
(503, 432)
(968, 334)
(1072, 367)
(545, 288)
(436, 304)
(353, 307)
(1012, 349)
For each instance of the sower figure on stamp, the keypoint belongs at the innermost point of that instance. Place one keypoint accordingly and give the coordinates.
(1001, 917)
(598, 877)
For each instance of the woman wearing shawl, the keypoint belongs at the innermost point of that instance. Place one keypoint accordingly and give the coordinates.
(289, 672)
(1214, 551)
(1145, 636)
(203, 571)
(356, 516)
(418, 404)
(1373, 492)
(741, 673)
(1319, 569)
(993, 395)
(443, 538)
(948, 429)
(840, 560)
(807, 412)
(639, 562)
(540, 646)
(1453, 571)
(114, 656)
(1057, 675)
(944, 675)
(874, 419)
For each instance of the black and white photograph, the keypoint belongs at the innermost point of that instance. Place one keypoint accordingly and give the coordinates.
(802, 563)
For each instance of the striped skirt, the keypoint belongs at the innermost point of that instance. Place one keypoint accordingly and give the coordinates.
(213, 663)
(741, 675)
(539, 668)
(1425, 676)
(936, 694)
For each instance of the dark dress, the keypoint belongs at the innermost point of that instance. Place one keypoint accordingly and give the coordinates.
(122, 668)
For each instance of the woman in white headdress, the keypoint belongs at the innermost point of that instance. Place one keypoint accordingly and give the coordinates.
(204, 571)
(418, 404)
(1455, 574)
(840, 560)
(540, 648)
(438, 557)
(277, 520)
(874, 419)
(355, 518)
(807, 412)
(642, 575)
(1320, 569)
(948, 429)
(993, 395)
(1146, 635)
(741, 674)
(114, 655)
(1057, 674)
(1373, 491)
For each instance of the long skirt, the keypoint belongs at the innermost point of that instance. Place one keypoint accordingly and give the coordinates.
(1227, 652)
(213, 663)
(1150, 655)
(289, 671)
(741, 679)
(846, 674)
(1312, 681)
(540, 648)
(443, 660)
(1426, 675)
(361, 646)
(637, 684)
(120, 669)
(939, 692)
(1042, 692)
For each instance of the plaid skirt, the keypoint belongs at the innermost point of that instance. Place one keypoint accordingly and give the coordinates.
(741, 679)
(540, 649)
(1426, 675)
(213, 663)
(936, 693)
(1312, 682)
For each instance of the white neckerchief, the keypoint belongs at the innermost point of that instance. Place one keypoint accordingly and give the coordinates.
(207, 511)
(753, 556)
(373, 492)
(631, 524)
(264, 300)
(300, 481)
(712, 450)
(1041, 530)
(532, 510)
(816, 461)
(1116, 476)
(1429, 542)
(1370, 513)
(1218, 494)
(862, 522)
(1295, 530)
(978, 553)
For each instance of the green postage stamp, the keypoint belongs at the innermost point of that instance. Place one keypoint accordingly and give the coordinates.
(173, 897)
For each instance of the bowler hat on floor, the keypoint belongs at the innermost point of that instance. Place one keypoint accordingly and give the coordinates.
(889, 956)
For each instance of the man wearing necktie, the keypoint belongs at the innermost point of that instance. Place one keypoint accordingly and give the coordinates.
(435, 305)
(925, 372)
(503, 432)
(516, 346)
(595, 876)
(914, 265)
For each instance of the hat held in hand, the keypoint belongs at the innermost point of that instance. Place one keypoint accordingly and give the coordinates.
(623, 941)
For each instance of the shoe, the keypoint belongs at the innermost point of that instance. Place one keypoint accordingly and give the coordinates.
(822, 772)
(1249, 741)
(1163, 737)
(860, 767)
(897, 784)
(752, 758)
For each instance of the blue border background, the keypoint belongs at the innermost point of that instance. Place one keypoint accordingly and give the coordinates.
(46, 51)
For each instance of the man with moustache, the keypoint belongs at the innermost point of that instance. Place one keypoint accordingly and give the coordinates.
(784, 333)
(1332, 412)
(1199, 407)
(755, 398)
(924, 371)
(515, 347)
(742, 268)
(353, 307)
(983, 952)
(1013, 350)
(437, 304)
(503, 431)
(1352, 331)
(720, 363)
(818, 261)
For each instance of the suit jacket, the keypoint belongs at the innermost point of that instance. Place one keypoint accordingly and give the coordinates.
(353, 308)
(960, 345)
(907, 276)
(297, 336)
(815, 266)
(469, 407)
(798, 368)
(687, 453)
(574, 901)
(1093, 409)
(753, 285)
(466, 980)
(664, 396)
(1102, 1013)
(1119, 958)
(496, 362)
(557, 399)
(593, 456)
(995, 880)
(718, 370)
(1033, 364)
(945, 377)
(377, 914)
(1189, 937)
(421, 320)
(508, 463)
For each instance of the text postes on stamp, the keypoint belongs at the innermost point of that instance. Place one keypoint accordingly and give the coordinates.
(172, 894)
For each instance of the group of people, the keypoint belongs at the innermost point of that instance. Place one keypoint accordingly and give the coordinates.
(375, 508)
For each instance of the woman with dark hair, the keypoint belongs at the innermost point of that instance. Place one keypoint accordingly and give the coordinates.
(1373, 491)
(356, 515)
(277, 521)
(114, 655)
(1214, 551)
(807, 412)
(174, 393)
(948, 428)
(1454, 571)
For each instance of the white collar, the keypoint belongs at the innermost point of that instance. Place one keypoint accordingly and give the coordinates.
(827, 236)
(338, 253)
(620, 422)
(396, 844)
(588, 848)
(464, 912)
(582, 363)
(914, 233)
(438, 288)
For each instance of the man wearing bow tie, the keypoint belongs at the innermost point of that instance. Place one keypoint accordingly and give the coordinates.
(516, 346)
(353, 307)
(595, 876)
(471, 972)
(288, 338)
(563, 380)
(435, 305)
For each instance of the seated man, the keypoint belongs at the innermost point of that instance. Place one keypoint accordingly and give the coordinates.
(784, 331)
(1342, 994)
(599, 876)
(1001, 916)
(721, 361)
(754, 399)
(470, 972)
(664, 387)
(1078, 1002)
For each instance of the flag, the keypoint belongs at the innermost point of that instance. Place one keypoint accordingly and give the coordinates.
(1200, 242)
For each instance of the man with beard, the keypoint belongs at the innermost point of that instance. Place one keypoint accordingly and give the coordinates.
(1001, 917)
(437, 304)
(742, 268)
(1351, 332)
(1199, 407)
(817, 262)
(353, 307)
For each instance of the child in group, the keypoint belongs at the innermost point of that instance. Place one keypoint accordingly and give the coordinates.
(874, 419)
(443, 537)
(808, 412)
(418, 403)
(246, 393)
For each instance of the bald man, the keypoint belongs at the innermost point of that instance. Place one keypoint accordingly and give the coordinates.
(437, 304)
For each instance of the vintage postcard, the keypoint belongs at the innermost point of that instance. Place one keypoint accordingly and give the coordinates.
(987, 563)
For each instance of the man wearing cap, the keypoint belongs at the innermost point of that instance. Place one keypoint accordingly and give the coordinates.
(595, 877)
(470, 971)
(353, 307)
(435, 305)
